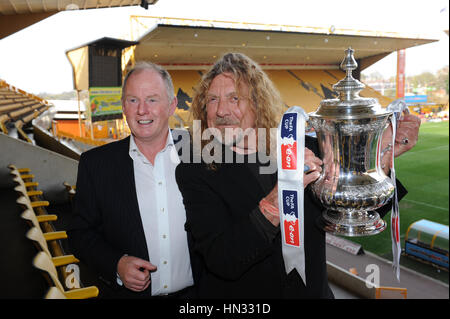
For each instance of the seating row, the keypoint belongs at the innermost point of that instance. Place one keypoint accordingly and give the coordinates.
(50, 258)
(18, 107)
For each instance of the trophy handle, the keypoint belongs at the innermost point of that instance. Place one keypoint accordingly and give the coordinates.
(308, 127)
(398, 107)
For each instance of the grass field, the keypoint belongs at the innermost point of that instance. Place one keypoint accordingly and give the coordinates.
(424, 172)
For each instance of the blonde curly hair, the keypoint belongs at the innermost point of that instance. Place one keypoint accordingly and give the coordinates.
(266, 100)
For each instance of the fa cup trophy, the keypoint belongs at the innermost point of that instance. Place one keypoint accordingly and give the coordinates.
(352, 184)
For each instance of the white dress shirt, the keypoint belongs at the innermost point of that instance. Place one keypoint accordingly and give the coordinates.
(163, 217)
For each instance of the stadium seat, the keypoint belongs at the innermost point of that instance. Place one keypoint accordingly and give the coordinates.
(55, 293)
(23, 173)
(21, 189)
(20, 170)
(71, 190)
(23, 177)
(19, 108)
(35, 234)
(32, 217)
(28, 185)
(35, 221)
(43, 262)
(42, 233)
(26, 203)
(25, 187)
(45, 238)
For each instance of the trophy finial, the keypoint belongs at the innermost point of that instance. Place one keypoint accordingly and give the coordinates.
(349, 63)
(348, 87)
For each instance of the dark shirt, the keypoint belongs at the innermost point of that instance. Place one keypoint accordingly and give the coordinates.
(235, 251)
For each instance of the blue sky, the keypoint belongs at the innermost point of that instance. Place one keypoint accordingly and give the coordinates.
(34, 59)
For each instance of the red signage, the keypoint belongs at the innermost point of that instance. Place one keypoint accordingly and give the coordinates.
(400, 73)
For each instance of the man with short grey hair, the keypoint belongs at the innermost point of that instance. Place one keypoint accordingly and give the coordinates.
(129, 215)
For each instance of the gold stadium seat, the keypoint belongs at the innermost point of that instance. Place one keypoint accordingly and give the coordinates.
(21, 189)
(15, 172)
(28, 185)
(27, 188)
(71, 190)
(35, 234)
(45, 238)
(43, 262)
(27, 176)
(23, 173)
(55, 293)
(21, 170)
(27, 204)
(34, 219)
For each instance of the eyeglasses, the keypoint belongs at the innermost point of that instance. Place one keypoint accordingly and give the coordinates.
(231, 99)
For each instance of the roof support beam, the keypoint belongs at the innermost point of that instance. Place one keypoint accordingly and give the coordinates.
(10, 24)
(29, 6)
(13, 5)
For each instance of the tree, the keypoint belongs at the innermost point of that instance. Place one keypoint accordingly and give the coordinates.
(442, 79)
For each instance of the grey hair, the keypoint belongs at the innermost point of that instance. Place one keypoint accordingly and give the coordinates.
(144, 65)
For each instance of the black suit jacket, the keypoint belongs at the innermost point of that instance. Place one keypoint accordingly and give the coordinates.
(234, 252)
(106, 222)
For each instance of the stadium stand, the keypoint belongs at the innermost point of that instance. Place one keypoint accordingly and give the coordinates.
(56, 266)
(19, 108)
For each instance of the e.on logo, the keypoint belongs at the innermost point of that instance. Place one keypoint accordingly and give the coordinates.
(289, 141)
(289, 156)
(290, 217)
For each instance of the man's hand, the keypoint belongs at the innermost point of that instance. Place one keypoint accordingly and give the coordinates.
(405, 139)
(272, 212)
(315, 167)
(135, 272)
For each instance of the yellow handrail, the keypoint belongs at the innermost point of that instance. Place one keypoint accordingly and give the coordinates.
(84, 140)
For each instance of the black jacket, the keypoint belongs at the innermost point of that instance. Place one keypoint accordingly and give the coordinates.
(107, 222)
(235, 251)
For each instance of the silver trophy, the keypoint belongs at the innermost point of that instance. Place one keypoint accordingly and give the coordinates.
(352, 184)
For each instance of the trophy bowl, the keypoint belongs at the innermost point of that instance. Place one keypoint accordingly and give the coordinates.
(352, 184)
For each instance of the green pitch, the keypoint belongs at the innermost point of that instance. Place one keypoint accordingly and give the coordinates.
(424, 172)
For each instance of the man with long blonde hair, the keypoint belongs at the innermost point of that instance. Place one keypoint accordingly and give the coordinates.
(266, 103)
(234, 238)
(231, 201)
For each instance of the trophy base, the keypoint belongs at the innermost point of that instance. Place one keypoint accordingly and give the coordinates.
(353, 224)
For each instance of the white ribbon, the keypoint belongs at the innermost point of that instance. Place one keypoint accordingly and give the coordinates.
(396, 107)
(290, 159)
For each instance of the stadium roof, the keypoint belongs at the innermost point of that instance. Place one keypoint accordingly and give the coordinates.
(18, 14)
(8, 7)
(107, 41)
(196, 44)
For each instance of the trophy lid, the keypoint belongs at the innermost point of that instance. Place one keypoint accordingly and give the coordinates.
(349, 104)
